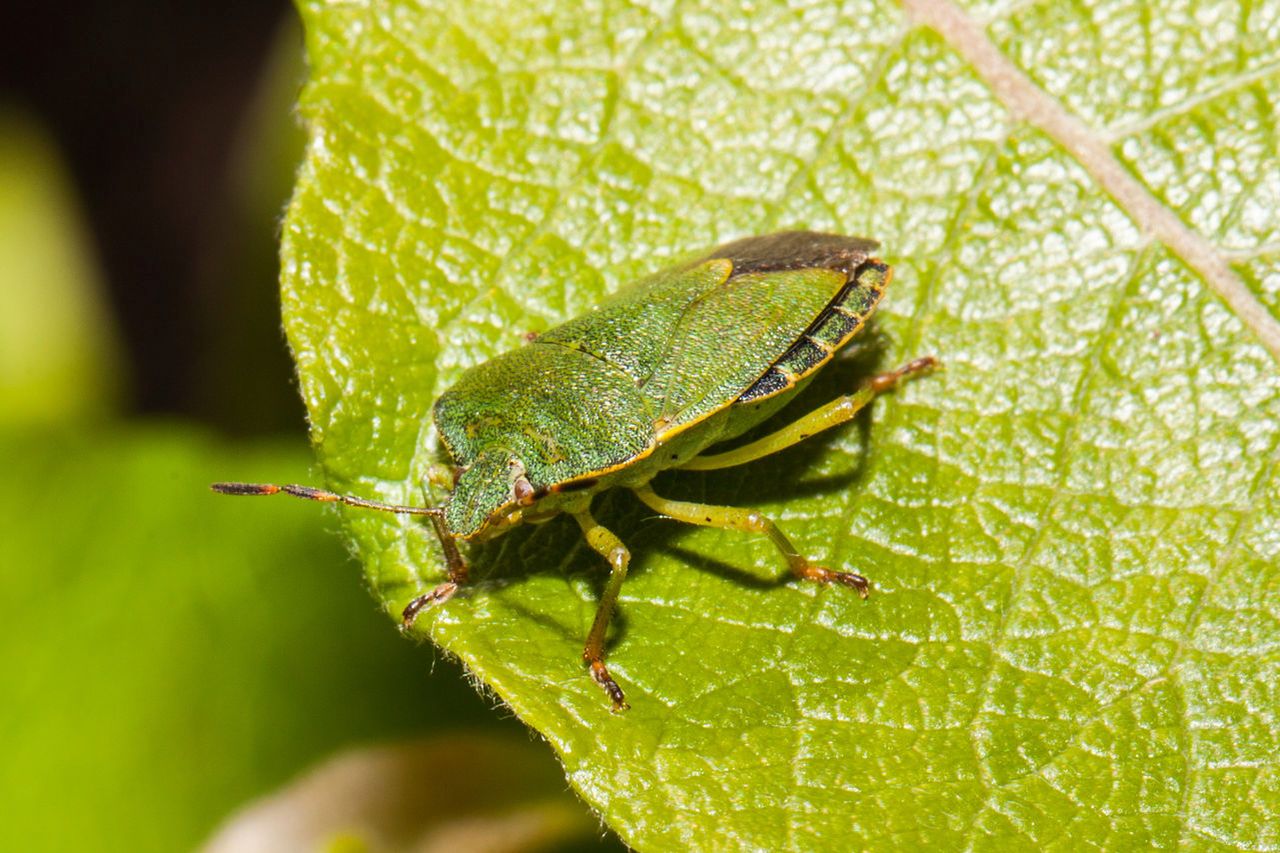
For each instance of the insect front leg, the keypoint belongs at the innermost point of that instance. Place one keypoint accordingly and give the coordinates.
(750, 521)
(606, 544)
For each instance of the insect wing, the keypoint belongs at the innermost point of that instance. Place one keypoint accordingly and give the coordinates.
(632, 329)
(728, 339)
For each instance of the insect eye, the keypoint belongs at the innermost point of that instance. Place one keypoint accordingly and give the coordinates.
(523, 491)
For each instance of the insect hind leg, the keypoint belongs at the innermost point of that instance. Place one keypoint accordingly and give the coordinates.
(751, 521)
(840, 410)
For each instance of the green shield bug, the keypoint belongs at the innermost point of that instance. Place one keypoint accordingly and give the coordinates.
(650, 379)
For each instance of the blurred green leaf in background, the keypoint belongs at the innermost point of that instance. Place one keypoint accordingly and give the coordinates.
(58, 356)
(1072, 531)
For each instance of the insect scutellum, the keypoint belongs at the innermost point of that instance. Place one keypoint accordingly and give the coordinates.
(652, 379)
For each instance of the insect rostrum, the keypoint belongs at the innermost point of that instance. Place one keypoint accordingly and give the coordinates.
(649, 380)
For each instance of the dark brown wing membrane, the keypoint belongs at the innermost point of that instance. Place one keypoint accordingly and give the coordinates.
(796, 250)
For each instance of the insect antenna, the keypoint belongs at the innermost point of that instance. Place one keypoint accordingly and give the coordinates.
(313, 494)
(453, 559)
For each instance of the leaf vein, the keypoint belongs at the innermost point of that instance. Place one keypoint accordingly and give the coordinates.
(1032, 104)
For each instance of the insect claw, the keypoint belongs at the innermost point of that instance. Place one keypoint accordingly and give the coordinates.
(823, 575)
(885, 381)
(853, 581)
(602, 677)
(439, 595)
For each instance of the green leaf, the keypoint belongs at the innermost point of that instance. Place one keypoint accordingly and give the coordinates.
(1071, 531)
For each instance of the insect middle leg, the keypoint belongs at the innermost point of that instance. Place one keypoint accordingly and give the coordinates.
(838, 411)
(750, 521)
(606, 544)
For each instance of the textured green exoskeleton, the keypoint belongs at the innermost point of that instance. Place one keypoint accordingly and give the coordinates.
(649, 380)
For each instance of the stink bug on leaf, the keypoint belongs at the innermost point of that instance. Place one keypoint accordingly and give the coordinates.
(650, 379)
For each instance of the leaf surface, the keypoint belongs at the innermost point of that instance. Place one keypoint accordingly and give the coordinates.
(1071, 531)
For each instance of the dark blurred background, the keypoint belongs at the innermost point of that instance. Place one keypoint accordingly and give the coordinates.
(172, 120)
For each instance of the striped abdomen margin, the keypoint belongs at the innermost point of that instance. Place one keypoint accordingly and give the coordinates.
(839, 322)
